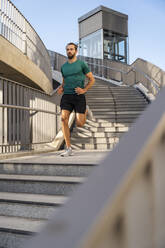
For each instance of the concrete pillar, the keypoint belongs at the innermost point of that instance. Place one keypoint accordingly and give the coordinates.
(139, 213)
(159, 189)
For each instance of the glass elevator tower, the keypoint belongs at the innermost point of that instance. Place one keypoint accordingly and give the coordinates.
(103, 34)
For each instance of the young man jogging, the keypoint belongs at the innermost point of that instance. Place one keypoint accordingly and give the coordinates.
(73, 90)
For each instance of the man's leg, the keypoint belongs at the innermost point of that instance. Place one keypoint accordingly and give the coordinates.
(65, 128)
(81, 110)
(81, 119)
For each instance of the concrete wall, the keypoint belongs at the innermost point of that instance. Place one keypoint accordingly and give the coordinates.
(17, 66)
(151, 70)
(150, 75)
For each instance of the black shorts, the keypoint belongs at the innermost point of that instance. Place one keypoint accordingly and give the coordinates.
(73, 102)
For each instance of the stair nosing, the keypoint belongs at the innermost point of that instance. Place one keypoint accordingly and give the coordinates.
(32, 198)
(38, 178)
(17, 224)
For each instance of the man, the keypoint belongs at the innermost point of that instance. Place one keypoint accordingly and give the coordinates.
(73, 89)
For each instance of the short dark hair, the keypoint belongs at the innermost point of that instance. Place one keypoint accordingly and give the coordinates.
(71, 43)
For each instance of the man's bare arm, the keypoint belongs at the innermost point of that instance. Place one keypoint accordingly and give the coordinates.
(91, 81)
(61, 88)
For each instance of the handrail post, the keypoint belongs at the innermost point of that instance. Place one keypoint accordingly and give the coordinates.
(1, 114)
(121, 76)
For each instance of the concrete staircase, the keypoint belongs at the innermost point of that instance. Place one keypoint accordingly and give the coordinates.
(30, 193)
(114, 109)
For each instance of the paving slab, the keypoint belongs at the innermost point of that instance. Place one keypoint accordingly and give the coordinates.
(78, 157)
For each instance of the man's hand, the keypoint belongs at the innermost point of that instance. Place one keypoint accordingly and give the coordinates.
(60, 90)
(79, 91)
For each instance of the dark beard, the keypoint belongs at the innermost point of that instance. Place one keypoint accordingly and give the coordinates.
(70, 56)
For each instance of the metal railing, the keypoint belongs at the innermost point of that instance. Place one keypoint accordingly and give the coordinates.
(17, 30)
(122, 203)
(25, 117)
(120, 72)
(129, 75)
(57, 60)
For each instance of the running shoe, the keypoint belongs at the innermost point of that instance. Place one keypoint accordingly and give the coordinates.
(89, 113)
(68, 152)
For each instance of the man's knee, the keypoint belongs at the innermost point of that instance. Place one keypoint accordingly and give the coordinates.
(80, 123)
(64, 119)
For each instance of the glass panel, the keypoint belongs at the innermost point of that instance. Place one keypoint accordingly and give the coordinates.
(91, 45)
(115, 46)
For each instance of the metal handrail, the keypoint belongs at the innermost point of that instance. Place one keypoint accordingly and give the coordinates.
(132, 69)
(28, 109)
(24, 108)
(153, 81)
(29, 87)
(23, 85)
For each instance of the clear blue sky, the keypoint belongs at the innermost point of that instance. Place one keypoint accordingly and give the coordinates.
(56, 22)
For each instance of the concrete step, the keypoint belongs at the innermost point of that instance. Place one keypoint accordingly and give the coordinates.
(119, 120)
(15, 231)
(133, 100)
(113, 113)
(20, 225)
(100, 124)
(103, 147)
(119, 101)
(113, 94)
(88, 134)
(126, 90)
(116, 117)
(116, 107)
(80, 170)
(18, 209)
(92, 140)
(29, 205)
(107, 85)
(103, 126)
(50, 185)
(113, 106)
(11, 239)
(113, 91)
(102, 129)
(117, 98)
(116, 88)
(31, 196)
(113, 116)
(102, 121)
(123, 121)
(51, 200)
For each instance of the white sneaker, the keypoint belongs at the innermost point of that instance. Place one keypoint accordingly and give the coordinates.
(89, 113)
(68, 152)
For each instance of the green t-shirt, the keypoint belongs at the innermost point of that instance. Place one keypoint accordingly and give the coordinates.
(74, 75)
